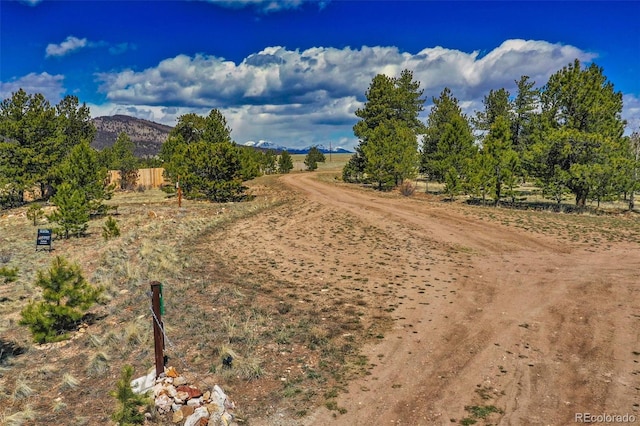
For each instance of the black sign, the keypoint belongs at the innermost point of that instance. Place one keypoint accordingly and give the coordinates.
(44, 239)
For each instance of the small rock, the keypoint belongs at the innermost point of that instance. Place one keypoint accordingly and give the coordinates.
(187, 411)
(191, 390)
(182, 396)
(194, 402)
(194, 419)
(163, 404)
(178, 416)
(171, 372)
(179, 381)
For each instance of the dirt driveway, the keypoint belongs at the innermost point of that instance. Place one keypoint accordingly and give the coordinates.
(492, 323)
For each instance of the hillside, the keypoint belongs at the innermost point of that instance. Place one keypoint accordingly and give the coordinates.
(147, 136)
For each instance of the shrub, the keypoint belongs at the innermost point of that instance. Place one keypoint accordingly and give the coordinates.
(67, 296)
(407, 188)
(9, 274)
(128, 412)
(35, 212)
(110, 229)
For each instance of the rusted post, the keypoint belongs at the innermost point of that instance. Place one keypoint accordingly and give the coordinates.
(158, 337)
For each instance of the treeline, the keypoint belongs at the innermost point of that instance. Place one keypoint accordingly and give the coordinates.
(565, 137)
(45, 151)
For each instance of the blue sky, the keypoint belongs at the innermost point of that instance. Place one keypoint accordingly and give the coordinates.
(294, 71)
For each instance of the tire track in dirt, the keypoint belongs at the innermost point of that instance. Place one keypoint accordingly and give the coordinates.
(496, 317)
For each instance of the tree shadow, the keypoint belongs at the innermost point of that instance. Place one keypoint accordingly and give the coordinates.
(9, 350)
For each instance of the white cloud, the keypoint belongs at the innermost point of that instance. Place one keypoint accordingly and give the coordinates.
(281, 76)
(49, 85)
(631, 113)
(312, 94)
(268, 6)
(70, 44)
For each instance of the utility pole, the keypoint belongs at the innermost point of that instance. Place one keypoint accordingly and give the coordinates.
(158, 336)
(330, 151)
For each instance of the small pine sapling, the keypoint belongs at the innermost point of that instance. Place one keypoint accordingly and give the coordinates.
(35, 213)
(128, 412)
(110, 229)
(66, 297)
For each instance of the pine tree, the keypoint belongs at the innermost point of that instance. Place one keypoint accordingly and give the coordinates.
(397, 100)
(581, 118)
(454, 155)
(124, 160)
(128, 412)
(269, 160)
(501, 156)
(72, 212)
(496, 104)
(634, 165)
(210, 171)
(250, 160)
(444, 111)
(201, 152)
(83, 173)
(392, 154)
(313, 157)
(66, 297)
(285, 162)
(523, 113)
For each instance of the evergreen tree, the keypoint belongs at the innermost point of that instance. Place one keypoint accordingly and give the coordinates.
(582, 123)
(125, 161)
(190, 128)
(72, 212)
(634, 165)
(388, 100)
(210, 171)
(201, 152)
(523, 113)
(455, 154)
(28, 132)
(269, 160)
(502, 159)
(66, 297)
(250, 161)
(392, 154)
(285, 162)
(128, 413)
(496, 104)
(73, 126)
(35, 212)
(313, 157)
(444, 111)
(480, 179)
(83, 173)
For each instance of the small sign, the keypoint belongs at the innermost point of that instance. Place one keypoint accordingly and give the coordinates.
(44, 239)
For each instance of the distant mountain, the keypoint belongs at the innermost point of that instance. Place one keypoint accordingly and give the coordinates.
(265, 145)
(147, 136)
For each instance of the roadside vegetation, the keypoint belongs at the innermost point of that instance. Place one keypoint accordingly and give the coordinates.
(566, 137)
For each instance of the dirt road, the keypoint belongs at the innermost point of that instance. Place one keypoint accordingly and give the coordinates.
(491, 322)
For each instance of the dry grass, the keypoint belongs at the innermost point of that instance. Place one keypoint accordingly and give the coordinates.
(273, 328)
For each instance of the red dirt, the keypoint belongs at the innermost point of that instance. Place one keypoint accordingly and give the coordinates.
(485, 314)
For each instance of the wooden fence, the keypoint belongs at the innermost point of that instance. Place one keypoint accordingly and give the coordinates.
(150, 178)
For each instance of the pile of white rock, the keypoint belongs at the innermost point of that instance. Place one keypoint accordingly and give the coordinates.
(185, 402)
